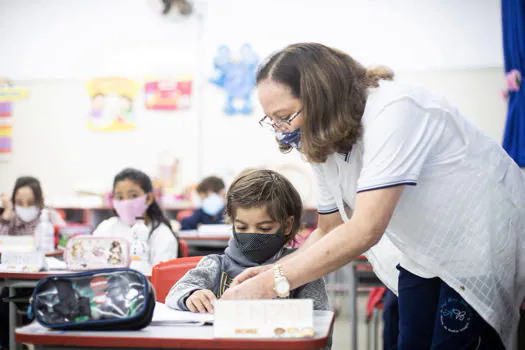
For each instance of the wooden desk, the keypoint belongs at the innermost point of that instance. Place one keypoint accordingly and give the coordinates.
(94, 216)
(20, 280)
(195, 240)
(168, 337)
(56, 254)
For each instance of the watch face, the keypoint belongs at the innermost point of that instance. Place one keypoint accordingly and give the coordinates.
(282, 287)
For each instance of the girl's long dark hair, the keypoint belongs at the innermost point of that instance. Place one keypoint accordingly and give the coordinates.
(154, 212)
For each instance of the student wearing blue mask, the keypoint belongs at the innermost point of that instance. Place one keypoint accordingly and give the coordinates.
(211, 192)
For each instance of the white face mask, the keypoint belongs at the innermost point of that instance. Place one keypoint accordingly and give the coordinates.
(27, 214)
(213, 204)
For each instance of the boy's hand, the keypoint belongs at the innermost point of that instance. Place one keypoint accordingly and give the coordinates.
(201, 301)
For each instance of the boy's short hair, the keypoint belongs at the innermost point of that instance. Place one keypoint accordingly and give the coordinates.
(254, 188)
(211, 184)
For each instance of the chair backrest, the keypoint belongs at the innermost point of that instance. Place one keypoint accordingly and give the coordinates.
(183, 214)
(184, 249)
(165, 274)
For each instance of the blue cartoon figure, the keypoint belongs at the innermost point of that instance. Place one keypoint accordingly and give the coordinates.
(236, 77)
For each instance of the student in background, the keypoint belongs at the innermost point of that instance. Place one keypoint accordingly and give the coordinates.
(211, 192)
(22, 209)
(21, 215)
(265, 210)
(133, 197)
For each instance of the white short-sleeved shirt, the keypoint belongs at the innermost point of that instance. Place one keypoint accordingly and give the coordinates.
(162, 243)
(461, 215)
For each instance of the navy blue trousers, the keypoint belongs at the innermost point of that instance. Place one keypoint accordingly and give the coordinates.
(433, 316)
(390, 321)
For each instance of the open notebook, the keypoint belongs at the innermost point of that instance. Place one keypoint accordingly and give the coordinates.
(163, 315)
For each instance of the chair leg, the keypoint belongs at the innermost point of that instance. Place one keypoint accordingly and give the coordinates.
(376, 329)
(368, 335)
(331, 286)
(352, 300)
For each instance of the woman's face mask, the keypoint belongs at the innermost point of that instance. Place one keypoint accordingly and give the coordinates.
(292, 138)
(27, 214)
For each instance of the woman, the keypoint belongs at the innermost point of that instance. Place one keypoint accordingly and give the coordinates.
(426, 191)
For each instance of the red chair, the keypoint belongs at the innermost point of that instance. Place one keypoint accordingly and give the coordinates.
(183, 214)
(165, 274)
(301, 237)
(184, 249)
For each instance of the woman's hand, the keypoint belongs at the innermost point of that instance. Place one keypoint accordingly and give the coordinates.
(258, 287)
(201, 301)
(249, 273)
(8, 206)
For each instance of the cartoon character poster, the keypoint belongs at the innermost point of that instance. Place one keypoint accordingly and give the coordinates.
(236, 75)
(168, 94)
(111, 104)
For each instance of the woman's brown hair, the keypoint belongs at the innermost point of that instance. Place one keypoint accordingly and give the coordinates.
(255, 188)
(332, 87)
(34, 185)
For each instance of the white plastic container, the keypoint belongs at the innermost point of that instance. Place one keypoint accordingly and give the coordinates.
(45, 233)
(140, 247)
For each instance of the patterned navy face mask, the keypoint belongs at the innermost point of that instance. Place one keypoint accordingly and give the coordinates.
(292, 138)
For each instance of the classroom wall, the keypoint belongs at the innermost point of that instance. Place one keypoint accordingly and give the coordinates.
(52, 47)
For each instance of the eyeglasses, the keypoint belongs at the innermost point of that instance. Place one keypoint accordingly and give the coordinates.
(283, 125)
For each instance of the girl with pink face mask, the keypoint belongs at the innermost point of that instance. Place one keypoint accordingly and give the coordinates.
(133, 197)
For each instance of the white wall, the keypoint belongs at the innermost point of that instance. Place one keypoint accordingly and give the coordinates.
(51, 47)
(85, 38)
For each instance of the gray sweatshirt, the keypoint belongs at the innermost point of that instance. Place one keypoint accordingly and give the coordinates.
(216, 272)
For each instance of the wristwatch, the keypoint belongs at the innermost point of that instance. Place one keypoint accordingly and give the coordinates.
(281, 284)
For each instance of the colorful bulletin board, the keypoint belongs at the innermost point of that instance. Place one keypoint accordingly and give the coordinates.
(6, 130)
(168, 94)
(8, 94)
(112, 104)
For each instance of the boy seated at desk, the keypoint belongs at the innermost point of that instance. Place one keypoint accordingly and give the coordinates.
(211, 192)
(265, 210)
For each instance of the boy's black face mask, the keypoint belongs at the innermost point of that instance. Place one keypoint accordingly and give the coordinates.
(259, 247)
